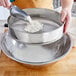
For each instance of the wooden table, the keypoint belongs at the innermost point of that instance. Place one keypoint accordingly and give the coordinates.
(64, 67)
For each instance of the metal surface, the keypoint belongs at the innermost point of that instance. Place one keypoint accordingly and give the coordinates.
(2, 30)
(0, 44)
(56, 3)
(18, 13)
(49, 52)
(50, 33)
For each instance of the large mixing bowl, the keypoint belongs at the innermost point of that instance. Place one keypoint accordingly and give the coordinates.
(36, 55)
(51, 32)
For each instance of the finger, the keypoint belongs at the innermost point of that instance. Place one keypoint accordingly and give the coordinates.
(67, 23)
(8, 3)
(3, 3)
(63, 16)
(0, 4)
(65, 26)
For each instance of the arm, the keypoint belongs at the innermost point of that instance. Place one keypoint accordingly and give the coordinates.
(67, 3)
(66, 12)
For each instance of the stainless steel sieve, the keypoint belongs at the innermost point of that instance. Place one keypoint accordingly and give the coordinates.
(51, 32)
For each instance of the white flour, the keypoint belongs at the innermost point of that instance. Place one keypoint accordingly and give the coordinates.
(34, 26)
(34, 54)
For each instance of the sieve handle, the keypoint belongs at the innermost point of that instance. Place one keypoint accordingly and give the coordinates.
(17, 12)
(12, 0)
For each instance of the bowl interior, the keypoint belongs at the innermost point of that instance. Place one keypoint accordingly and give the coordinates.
(36, 54)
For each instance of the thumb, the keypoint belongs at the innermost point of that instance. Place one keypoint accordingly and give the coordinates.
(63, 15)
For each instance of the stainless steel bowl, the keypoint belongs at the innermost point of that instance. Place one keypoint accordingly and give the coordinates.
(39, 54)
(50, 33)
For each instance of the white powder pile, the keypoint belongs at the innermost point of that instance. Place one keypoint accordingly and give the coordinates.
(33, 26)
(34, 54)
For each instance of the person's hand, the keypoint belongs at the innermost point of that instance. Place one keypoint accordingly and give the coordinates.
(5, 3)
(66, 17)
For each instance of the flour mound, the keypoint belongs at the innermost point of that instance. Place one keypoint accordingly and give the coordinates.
(34, 26)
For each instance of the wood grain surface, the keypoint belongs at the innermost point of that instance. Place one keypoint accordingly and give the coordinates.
(64, 67)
